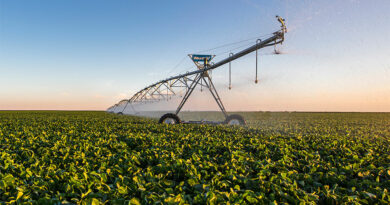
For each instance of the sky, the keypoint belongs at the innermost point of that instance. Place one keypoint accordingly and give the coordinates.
(88, 55)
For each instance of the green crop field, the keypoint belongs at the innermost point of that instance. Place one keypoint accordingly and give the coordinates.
(279, 158)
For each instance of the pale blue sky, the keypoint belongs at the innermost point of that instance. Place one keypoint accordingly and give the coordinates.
(89, 54)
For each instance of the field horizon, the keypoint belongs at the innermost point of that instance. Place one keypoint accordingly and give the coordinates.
(232, 111)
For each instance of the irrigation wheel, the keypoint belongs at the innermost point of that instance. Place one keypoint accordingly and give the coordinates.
(169, 118)
(235, 120)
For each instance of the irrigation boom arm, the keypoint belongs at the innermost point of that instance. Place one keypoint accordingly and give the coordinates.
(276, 39)
(165, 88)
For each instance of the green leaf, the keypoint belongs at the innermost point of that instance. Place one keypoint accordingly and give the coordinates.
(122, 190)
(20, 194)
(134, 201)
(284, 175)
(3, 185)
(95, 201)
(86, 194)
(9, 180)
(237, 187)
(252, 200)
(191, 182)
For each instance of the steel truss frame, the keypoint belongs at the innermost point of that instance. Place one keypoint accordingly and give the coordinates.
(186, 83)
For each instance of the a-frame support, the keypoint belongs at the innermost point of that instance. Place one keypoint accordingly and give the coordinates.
(211, 88)
(204, 76)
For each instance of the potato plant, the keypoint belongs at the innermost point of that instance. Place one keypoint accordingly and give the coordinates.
(52, 157)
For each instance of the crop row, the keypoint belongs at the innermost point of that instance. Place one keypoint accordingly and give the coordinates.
(95, 157)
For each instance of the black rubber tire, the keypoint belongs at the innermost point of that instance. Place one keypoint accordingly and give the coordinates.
(169, 115)
(120, 113)
(239, 118)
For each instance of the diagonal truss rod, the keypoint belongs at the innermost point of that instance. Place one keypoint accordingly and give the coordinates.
(214, 93)
(188, 92)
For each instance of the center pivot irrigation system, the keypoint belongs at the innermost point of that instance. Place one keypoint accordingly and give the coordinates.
(186, 83)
